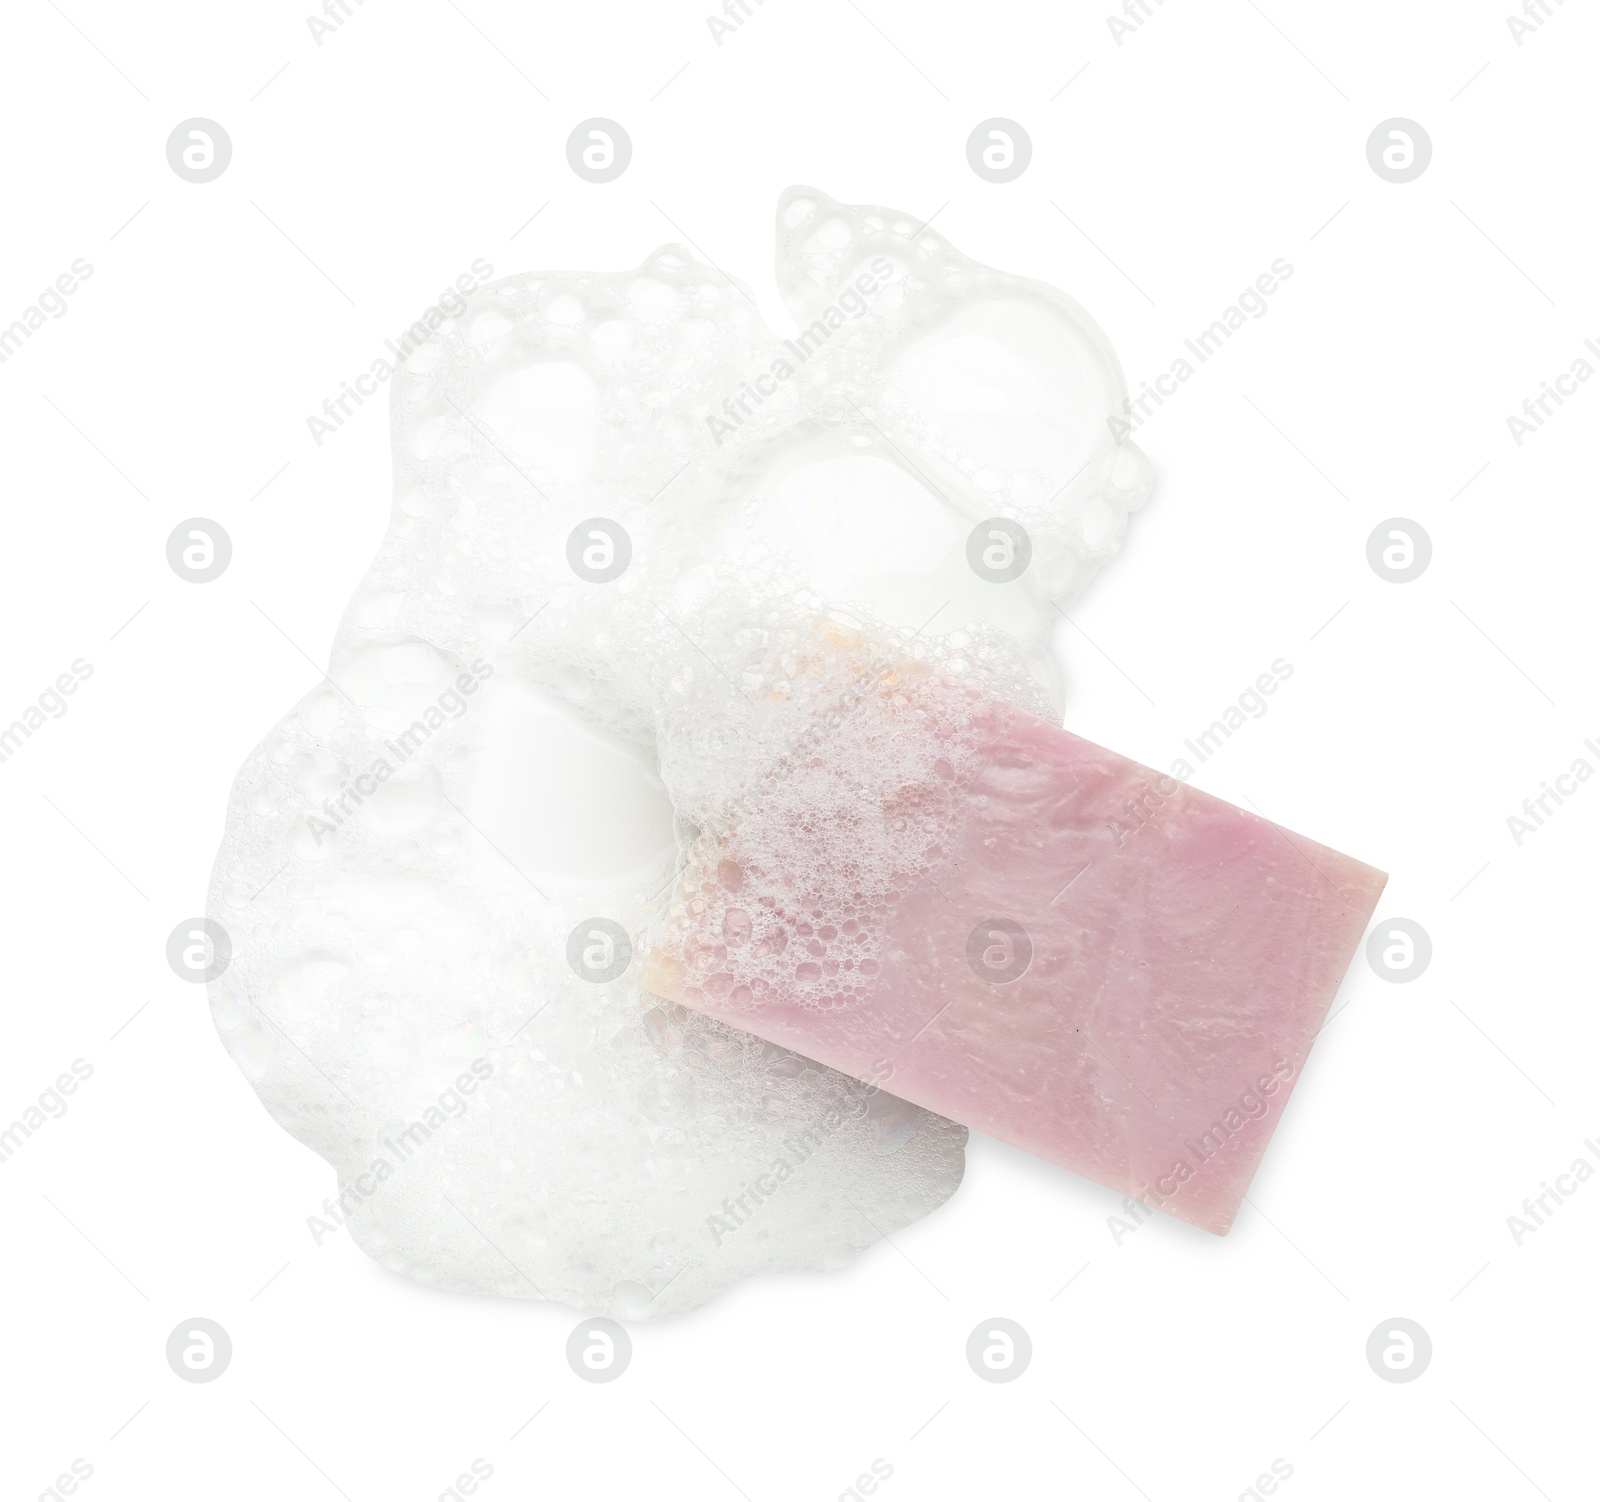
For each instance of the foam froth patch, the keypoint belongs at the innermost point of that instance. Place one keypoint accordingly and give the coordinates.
(644, 550)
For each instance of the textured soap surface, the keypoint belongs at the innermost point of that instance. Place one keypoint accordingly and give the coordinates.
(1035, 936)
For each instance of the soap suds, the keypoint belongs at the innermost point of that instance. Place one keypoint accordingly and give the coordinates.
(522, 743)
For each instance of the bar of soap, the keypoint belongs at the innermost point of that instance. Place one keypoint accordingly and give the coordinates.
(1025, 932)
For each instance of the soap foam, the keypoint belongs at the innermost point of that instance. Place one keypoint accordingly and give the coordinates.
(520, 746)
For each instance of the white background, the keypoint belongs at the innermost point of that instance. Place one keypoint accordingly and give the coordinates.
(1167, 174)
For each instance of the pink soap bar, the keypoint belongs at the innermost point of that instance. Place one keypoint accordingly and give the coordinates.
(1095, 962)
